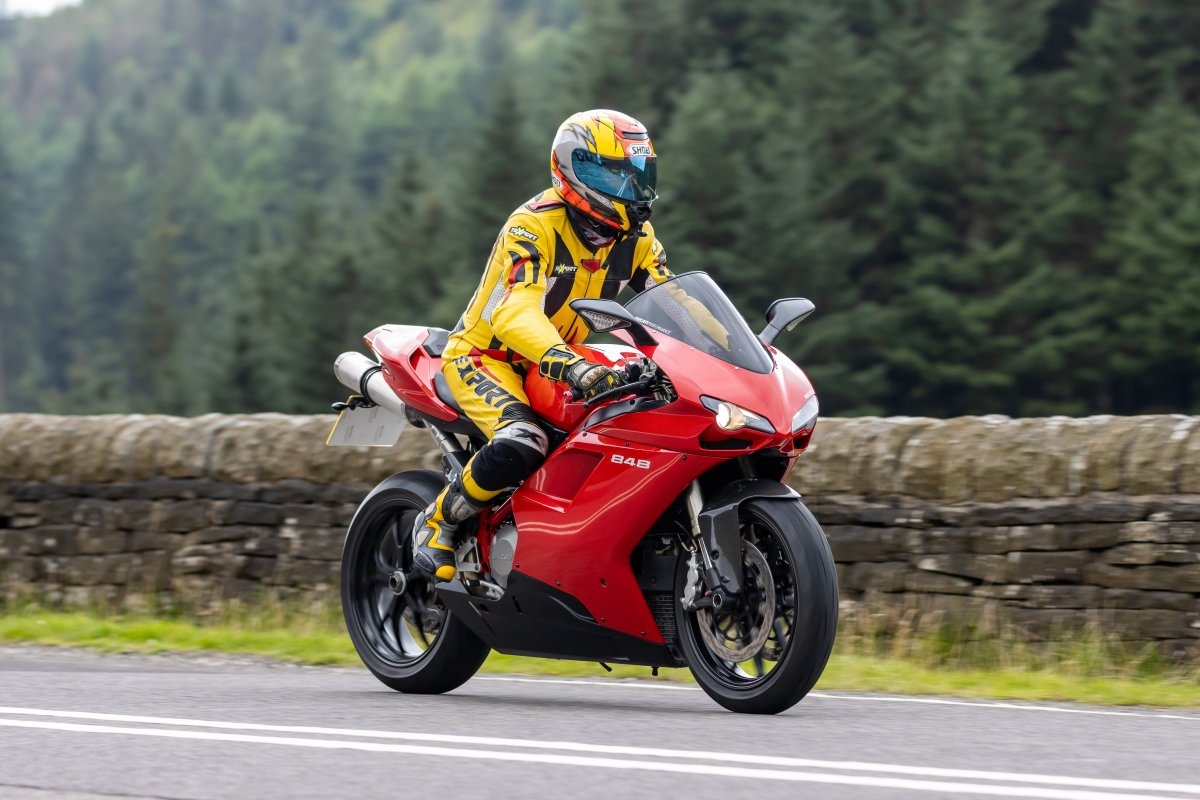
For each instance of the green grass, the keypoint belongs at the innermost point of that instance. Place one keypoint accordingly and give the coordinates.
(1084, 670)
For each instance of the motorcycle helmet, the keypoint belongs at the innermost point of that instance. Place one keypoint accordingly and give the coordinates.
(602, 164)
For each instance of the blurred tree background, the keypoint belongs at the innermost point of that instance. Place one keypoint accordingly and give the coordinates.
(995, 204)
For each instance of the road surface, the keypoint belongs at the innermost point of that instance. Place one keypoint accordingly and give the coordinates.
(77, 725)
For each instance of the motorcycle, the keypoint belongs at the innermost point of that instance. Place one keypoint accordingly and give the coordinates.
(657, 532)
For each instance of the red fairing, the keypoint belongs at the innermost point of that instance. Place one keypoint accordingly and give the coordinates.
(580, 515)
(408, 369)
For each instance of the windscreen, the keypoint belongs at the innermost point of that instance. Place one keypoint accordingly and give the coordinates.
(692, 309)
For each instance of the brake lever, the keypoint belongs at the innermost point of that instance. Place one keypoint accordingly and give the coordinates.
(632, 386)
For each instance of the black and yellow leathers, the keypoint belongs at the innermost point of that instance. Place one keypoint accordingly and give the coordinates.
(520, 315)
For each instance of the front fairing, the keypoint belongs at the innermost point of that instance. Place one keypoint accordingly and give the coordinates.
(740, 370)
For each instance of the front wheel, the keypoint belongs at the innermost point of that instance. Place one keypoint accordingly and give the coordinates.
(764, 651)
(401, 630)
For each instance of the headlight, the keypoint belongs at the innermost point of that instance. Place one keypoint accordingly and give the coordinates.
(806, 417)
(734, 418)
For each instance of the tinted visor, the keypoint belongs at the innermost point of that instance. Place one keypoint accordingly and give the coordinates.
(620, 178)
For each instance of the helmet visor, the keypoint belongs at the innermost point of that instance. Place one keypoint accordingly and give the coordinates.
(619, 178)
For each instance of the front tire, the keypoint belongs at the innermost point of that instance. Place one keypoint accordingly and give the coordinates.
(407, 638)
(765, 651)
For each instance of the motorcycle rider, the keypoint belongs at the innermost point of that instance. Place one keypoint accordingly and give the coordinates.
(588, 236)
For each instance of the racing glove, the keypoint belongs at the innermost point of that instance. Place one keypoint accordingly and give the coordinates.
(586, 377)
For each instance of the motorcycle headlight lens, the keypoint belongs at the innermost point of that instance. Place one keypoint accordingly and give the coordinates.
(731, 417)
(806, 417)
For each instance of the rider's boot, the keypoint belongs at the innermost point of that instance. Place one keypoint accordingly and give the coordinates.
(436, 531)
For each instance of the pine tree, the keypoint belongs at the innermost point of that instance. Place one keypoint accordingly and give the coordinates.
(976, 197)
(1153, 249)
(12, 304)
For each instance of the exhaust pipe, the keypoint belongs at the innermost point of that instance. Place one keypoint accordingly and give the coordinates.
(360, 374)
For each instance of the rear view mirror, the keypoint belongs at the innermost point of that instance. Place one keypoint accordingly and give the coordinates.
(784, 315)
(602, 316)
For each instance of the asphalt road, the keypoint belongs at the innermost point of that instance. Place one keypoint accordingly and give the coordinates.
(77, 725)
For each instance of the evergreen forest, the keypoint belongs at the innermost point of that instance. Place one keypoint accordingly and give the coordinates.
(994, 204)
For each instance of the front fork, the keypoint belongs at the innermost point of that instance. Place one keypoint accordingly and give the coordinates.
(714, 569)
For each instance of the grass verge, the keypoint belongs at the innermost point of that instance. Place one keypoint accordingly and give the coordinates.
(1084, 670)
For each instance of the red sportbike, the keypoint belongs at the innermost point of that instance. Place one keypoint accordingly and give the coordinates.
(657, 532)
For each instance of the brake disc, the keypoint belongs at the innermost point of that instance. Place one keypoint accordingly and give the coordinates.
(739, 631)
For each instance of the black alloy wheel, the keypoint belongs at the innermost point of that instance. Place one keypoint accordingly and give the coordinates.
(401, 630)
(764, 651)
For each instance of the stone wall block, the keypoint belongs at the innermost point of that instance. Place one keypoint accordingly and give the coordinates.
(59, 540)
(867, 576)
(936, 583)
(833, 462)
(180, 517)
(307, 572)
(1181, 508)
(1052, 596)
(936, 541)
(1133, 598)
(307, 516)
(1161, 532)
(1047, 567)
(141, 541)
(317, 543)
(1188, 475)
(1156, 623)
(95, 513)
(1156, 578)
(884, 468)
(1101, 459)
(92, 570)
(96, 541)
(1015, 459)
(927, 456)
(295, 492)
(1146, 553)
(20, 572)
(134, 515)
(854, 543)
(12, 544)
(150, 571)
(989, 569)
(212, 558)
(1046, 623)
(1089, 536)
(55, 511)
(1150, 463)
(255, 568)
(243, 513)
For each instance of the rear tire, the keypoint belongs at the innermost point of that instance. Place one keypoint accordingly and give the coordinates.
(408, 640)
(785, 538)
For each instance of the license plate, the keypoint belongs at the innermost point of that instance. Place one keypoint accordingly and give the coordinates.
(366, 427)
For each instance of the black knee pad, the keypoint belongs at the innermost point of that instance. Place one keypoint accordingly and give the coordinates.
(510, 458)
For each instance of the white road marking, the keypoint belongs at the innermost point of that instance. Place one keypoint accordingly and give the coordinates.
(598, 763)
(865, 698)
(644, 752)
(939, 701)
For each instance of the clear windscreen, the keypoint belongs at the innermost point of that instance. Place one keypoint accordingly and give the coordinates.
(692, 309)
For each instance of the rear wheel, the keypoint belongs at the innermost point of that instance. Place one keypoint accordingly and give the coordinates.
(402, 632)
(765, 650)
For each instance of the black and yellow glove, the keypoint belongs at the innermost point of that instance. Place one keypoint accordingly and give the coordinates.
(586, 377)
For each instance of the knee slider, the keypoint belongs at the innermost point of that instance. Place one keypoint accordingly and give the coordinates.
(517, 450)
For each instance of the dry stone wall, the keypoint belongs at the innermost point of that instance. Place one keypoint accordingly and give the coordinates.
(1035, 526)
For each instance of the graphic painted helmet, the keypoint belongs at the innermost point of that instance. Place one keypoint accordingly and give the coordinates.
(602, 163)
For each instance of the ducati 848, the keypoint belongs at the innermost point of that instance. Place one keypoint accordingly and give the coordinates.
(658, 531)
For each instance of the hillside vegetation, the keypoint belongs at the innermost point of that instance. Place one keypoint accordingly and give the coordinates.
(994, 205)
